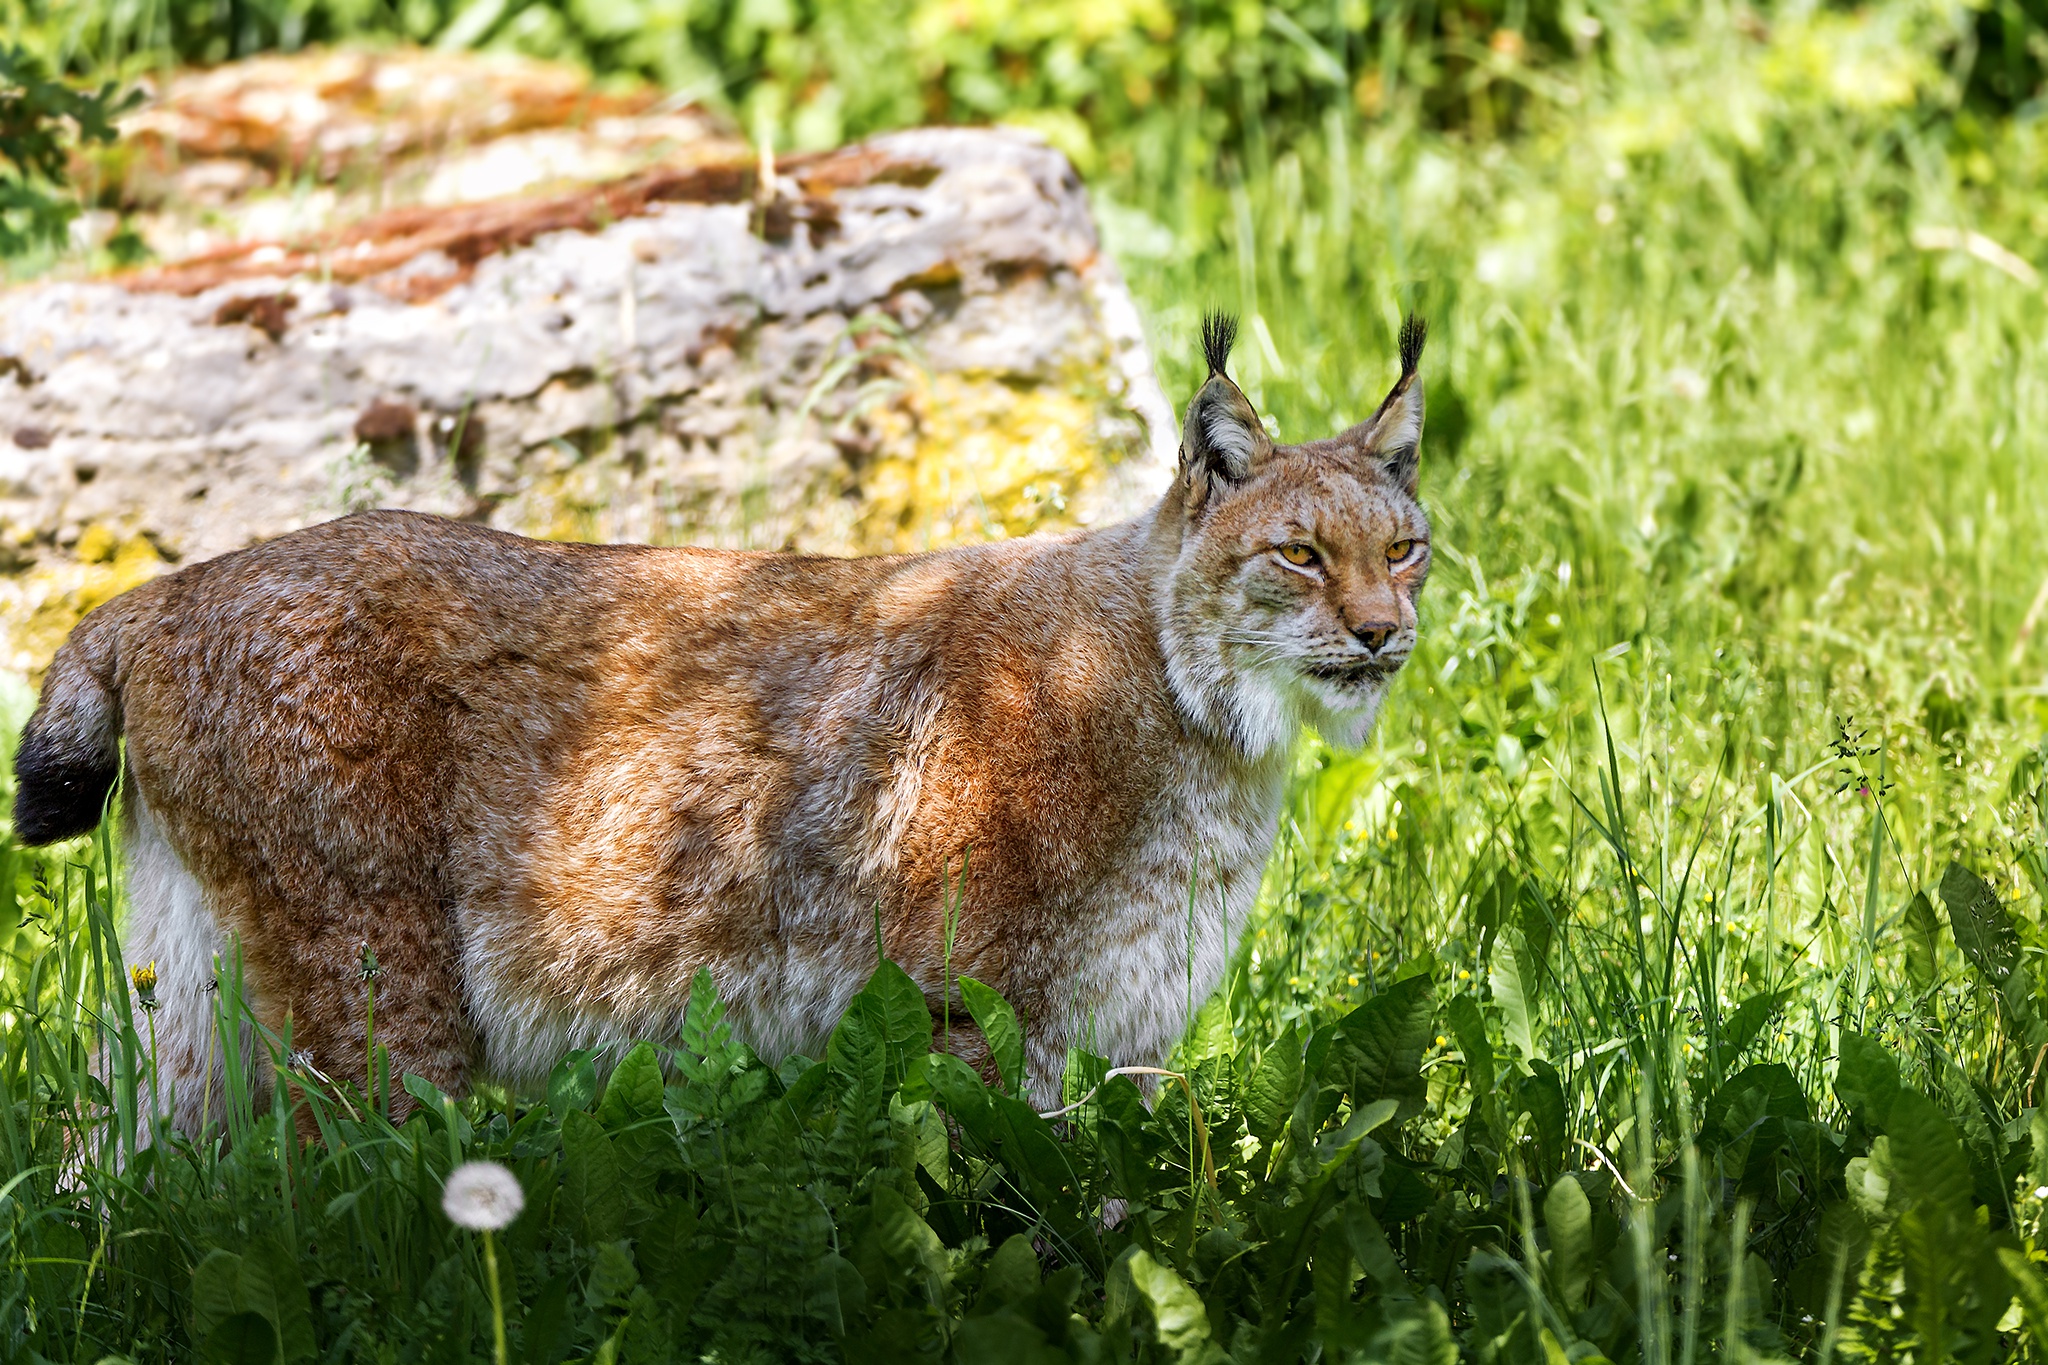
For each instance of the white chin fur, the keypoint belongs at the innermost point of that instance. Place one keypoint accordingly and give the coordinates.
(1344, 717)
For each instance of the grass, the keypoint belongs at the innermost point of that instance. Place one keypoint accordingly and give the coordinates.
(1663, 983)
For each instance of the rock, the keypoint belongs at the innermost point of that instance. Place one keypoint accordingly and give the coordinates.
(912, 342)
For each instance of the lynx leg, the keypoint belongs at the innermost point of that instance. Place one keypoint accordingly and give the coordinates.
(411, 1007)
(303, 972)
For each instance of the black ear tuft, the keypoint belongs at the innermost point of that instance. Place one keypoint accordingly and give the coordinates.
(1219, 334)
(1414, 331)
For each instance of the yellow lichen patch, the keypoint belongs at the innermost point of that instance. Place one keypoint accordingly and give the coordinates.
(987, 462)
(38, 609)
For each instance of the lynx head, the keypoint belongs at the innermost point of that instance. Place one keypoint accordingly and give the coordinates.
(1292, 596)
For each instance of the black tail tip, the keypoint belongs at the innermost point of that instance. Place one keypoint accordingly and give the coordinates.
(56, 798)
(1414, 332)
(1219, 334)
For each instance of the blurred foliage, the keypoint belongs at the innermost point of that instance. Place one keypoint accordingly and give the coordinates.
(1122, 85)
(39, 118)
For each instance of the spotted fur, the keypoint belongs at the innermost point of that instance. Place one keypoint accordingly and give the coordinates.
(547, 783)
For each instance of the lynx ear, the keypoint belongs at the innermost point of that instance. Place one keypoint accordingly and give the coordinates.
(1222, 439)
(1391, 439)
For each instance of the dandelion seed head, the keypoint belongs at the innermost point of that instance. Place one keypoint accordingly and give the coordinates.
(482, 1195)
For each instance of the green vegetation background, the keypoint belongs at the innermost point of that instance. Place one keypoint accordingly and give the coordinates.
(1665, 982)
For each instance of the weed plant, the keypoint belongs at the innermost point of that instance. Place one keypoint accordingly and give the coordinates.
(1664, 983)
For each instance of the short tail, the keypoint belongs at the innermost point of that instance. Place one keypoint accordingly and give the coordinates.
(70, 753)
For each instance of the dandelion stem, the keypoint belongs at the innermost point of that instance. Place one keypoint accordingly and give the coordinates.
(497, 1298)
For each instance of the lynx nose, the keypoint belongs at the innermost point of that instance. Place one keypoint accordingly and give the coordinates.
(1374, 634)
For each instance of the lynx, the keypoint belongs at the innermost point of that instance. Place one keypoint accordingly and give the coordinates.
(547, 783)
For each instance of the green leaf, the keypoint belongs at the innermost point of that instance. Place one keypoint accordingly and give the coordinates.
(635, 1090)
(1378, 1052)
(1494, 907)
(593, 1193)
(1749, 1019)
(1276, 1081)
(999, 1026)
(1918, 927)
(1925, 1152)
(1417, 1332)
(1012, 1273)
(243, 1339)
(1371, 1249)
(2031, 1291)
(271, 1285)
(904, 1237)
(216, 1291)
(1866, 1080)
(1983, 929)
(1541, 1096)
(898, 1015)
(1511, 993)
(573, 1082)
(1568, 1218)
(858, 1055)
(704, 1029)
(1766, 1090)
(1177, 1311)
(1468, 1024)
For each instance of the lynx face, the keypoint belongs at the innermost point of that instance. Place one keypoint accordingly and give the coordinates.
(1294, 595)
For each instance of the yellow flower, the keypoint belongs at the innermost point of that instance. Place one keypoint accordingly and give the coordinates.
(144, 977)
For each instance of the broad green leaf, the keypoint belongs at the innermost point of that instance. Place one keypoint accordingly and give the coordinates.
(613, 1276)
(1378, 1050)
(1766, 1090)
(216, 1291)
(1869, 1181)
(1494, 908)
(1931, 1171)
(1417, 1332)
(1534, 918)
(1541, 1096)
(1177, 1311)
(958, 1090)
(1922, 933)
(1276, 1081)
(1749, 1020)
(2031, 1290)
(904, 1237)
(1371, 1249)
(1568, 1218)
(999, 1026)
(635, 1090)
(271, 1285)
(858, 1056)
(898, 1015)
(1333, 1149)
(573, 1083)
(1504, 1330)
(1981, 925)
(1012, 1272)
(1866, 1080)
(1511, 992)
(1209, 1033)
(1468, 1024)
(242, 1339)
(593, 1194)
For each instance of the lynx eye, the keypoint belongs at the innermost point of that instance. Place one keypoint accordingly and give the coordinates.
(1298, 554)
(1399, 551)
